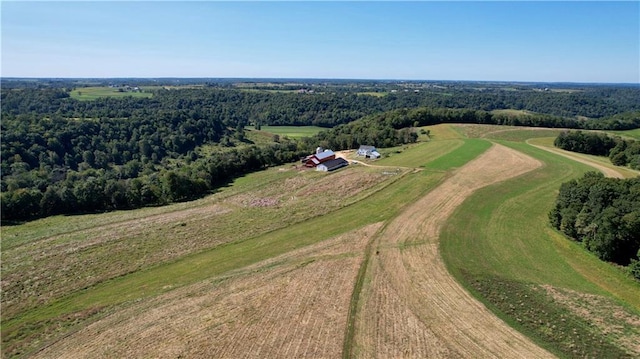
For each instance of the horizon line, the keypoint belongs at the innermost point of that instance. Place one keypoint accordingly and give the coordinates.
(307, 78)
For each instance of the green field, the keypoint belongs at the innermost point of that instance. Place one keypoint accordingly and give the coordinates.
(629, 133)
(522, 255)
(512, 112)
(92, 93)
(289, 131)
(498, 244)
(374, 94)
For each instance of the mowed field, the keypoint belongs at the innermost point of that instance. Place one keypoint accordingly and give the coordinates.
(289, 131)
(440, 250)
(92, 93)
(631, 133)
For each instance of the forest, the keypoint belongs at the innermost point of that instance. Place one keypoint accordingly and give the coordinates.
(604, 215)
(621, 152)
(61, 155)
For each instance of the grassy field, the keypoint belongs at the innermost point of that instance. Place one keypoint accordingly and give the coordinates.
(168, 230)
(92, 93)
(525, 264)
(229, 260)
(630, 133)
(512, 112)
(374, 94)
(598, 160)
(289, 131)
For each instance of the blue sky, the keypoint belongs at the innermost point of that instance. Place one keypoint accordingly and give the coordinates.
(499, 41)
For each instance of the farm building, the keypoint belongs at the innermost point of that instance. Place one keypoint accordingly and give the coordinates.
(332, 165)
(368, 152)
(318, 158)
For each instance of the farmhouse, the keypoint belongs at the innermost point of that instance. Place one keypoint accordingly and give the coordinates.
(332, 165)
(318, 158)
(368, 152)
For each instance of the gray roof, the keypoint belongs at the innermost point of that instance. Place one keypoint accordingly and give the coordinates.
(335, 163)
(367, 148)
(325, 154)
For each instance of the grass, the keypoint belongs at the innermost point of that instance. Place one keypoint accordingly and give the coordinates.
(128, 245)
(64, 312)
(460, 155)
(506, 133)
(374, 94)
(417, 155)
(92, 93)
(290, 131)
(211, 263)
(629, 133)
(521, 135)
(601, 160)
(500, 246)
(512, 112)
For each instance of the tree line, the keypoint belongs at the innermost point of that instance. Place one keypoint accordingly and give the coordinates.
(621, 152)
(604, 215)
(43, 192)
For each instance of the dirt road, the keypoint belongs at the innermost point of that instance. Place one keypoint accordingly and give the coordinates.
(609, 172)
(411, 306)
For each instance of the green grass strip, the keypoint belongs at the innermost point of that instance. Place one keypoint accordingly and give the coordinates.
(461, 155)
(290, 131)
(501, 234)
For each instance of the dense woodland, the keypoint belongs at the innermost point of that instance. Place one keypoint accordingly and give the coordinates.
(63, 155)
(603, 214)
(621, 152)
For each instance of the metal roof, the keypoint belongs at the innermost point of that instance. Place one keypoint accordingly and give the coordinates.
(335, 163)
(325, 154)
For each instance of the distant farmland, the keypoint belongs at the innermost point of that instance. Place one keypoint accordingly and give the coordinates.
(92, 93)
(290, 131)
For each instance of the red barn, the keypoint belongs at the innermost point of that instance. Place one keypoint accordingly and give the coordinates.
(319, 158)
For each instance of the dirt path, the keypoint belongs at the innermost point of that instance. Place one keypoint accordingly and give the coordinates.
(346, 154)
(412, 306)
(609, 172)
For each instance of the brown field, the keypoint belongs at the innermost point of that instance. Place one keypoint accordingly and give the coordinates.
(290, 306)
(411, 306)
(296, 304)
(60, 264)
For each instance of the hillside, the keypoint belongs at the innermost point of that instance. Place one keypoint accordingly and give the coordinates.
(280, 258)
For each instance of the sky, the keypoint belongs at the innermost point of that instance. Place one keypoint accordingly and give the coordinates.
(475, 41)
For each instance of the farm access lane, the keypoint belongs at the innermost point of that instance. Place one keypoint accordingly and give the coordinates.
(608, 172)
(413, 307)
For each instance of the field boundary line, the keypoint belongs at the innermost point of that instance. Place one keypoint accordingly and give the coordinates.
(609, 172)
(347, 347)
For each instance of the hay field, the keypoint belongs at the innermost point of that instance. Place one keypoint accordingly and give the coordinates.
(363, 262)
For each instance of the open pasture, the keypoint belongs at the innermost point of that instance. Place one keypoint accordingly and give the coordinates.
(512, 112)
(355, 263)
(289, 131)
(635, 134)
(524, 261)
(92, 93)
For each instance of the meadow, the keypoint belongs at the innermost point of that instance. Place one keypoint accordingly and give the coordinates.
(258, 261)
(92, 93)
(630, 133)
(532, 276)
(289, 131)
